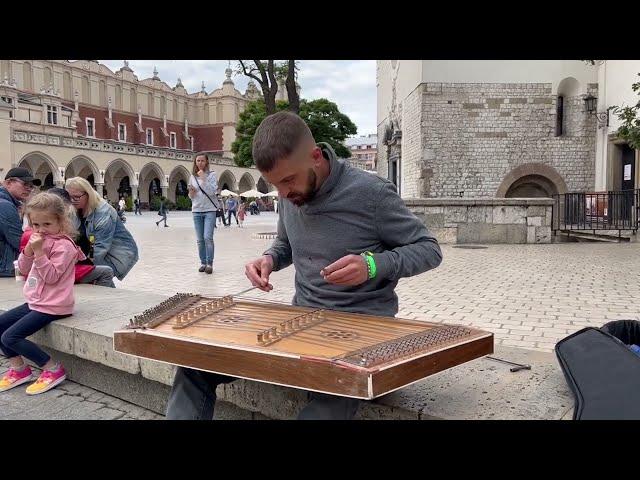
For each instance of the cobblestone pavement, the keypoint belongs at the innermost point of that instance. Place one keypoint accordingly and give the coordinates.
(68, 401)
(529, 296)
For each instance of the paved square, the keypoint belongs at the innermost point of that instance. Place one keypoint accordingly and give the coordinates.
(529, 296)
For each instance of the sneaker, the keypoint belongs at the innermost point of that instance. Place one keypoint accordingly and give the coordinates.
(47, 380)
(13, 378)
(202, 268)
(209, 269)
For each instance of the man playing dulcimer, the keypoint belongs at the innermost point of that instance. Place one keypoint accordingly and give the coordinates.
(348, 234)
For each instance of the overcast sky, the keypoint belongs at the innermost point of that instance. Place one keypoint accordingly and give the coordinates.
(351, 84)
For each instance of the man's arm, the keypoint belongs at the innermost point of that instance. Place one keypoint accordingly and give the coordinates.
(11, 225)
(280, 251)
(412, 249)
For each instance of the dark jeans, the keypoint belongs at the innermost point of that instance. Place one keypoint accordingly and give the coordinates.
(164, 218)
(229, 219)
(16, 325)
(136, 210)
(193, 397)
(221, 218)
(102, 275)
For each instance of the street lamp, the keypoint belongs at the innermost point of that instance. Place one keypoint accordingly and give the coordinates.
(592, 108)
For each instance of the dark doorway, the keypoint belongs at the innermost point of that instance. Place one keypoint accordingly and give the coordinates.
(394, 171)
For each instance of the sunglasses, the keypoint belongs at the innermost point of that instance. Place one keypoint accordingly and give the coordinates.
(27, 185)
(77, 198)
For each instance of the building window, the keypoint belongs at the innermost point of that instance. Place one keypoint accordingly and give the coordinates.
(52, 115)
(191, 140)
(559, 115)
(149, 136)
(91, 127)
(172, 140)
(9, 100)
(122, 132)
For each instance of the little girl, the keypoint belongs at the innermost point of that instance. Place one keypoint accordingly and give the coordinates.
(48, 263)
(241, 213)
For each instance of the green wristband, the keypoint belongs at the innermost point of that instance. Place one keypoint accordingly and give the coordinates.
(371, 264)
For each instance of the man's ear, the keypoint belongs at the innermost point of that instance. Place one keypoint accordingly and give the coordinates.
(317, 155)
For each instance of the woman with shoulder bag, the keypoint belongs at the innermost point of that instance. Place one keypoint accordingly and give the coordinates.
(203, 186)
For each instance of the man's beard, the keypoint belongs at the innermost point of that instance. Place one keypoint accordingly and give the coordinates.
(300, 198)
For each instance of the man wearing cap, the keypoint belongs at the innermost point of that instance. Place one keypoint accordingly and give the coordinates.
(14, 190)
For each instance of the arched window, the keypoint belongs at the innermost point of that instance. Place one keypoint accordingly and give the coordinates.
(66, 86)
(559, 115)
(27, 76)
(86, 91)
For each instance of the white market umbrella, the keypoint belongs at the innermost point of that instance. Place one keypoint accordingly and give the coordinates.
(274, 194)
(252, 193)
(228, 193)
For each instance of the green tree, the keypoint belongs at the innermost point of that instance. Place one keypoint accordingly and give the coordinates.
(326, 122)
(629, 130)
(268, 74)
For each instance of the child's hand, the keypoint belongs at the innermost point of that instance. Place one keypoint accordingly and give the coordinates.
(35, 242)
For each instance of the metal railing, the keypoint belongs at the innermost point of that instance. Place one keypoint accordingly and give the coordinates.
(613, 210)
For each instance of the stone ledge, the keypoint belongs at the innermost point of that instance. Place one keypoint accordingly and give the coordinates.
(481, 389)
(455, 201)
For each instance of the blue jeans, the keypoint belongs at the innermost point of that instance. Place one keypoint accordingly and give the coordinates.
(16, 325)
(193, 397)
(205, 223)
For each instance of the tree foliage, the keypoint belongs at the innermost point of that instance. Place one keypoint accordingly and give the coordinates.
(326, 122)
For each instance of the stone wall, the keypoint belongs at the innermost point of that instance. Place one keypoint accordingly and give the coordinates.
(467, 137)
(485, 220)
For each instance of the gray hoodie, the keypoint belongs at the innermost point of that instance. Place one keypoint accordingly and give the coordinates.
(352, 212)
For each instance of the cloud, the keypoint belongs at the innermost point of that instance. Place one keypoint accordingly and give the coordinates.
(351, 84)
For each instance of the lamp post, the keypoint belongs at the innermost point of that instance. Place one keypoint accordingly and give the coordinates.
(592, 108)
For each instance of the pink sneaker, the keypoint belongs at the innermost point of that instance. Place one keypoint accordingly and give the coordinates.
(47, 380)
(13, 378)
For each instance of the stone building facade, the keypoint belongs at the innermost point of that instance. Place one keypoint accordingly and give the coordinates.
(128, 137)
(486, 128)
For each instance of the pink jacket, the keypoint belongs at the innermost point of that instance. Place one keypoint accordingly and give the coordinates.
(49, 285)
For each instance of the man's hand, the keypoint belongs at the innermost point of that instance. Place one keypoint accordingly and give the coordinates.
(348, 270)
(35, 242)
(258, 271)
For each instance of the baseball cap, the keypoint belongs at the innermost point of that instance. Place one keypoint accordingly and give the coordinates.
(22, 174)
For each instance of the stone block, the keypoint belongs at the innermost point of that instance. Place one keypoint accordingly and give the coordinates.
(536, 210)
(509, 214)
(480, 214)
(446, 235)
(543, 234)
(453, 215)
(274, 401)
(531, 234)
(535, 221)
(157, 371)
(432, 220)
(491, 233)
